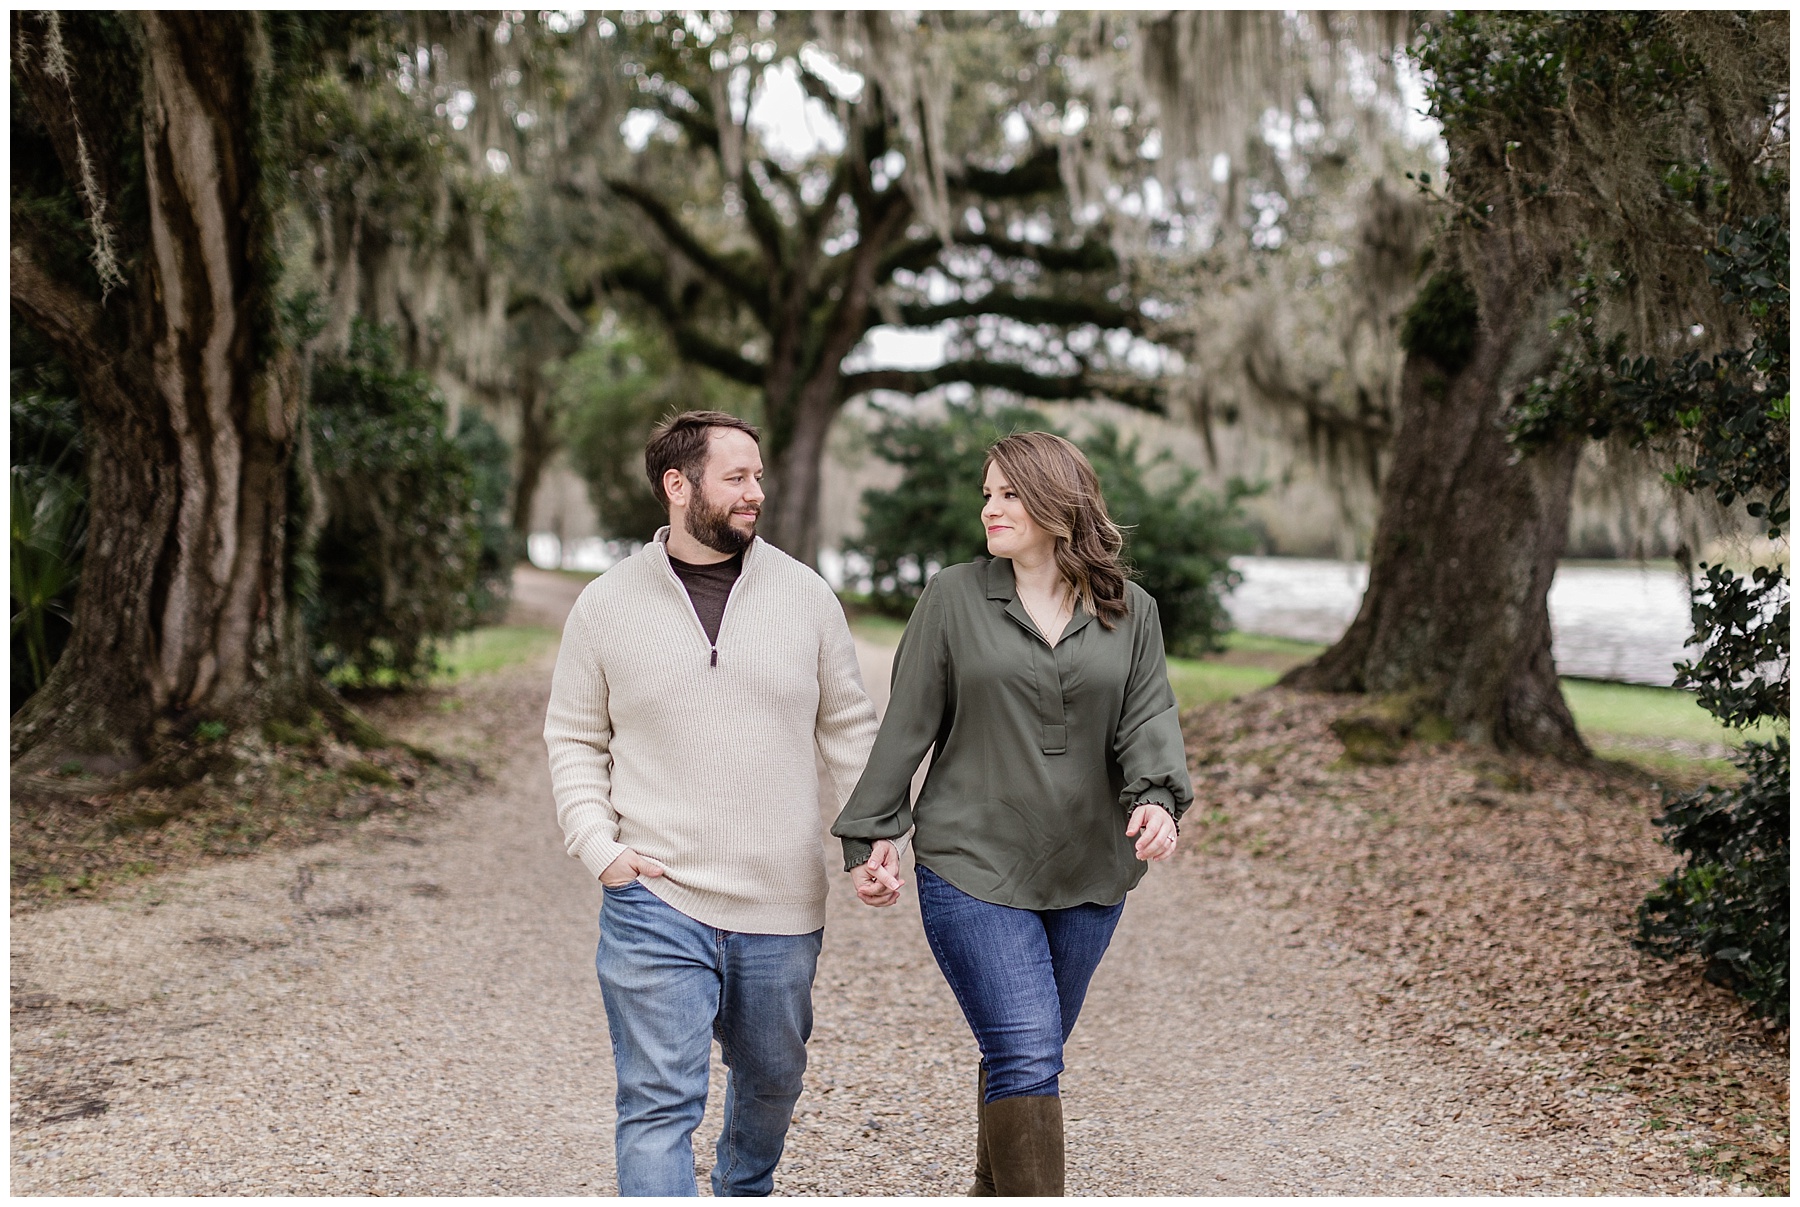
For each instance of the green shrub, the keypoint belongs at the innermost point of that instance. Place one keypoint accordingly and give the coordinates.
(932, 517)
(1727, 415)
(398, 563)
(1441, 321)
(1177, 537)
(48, 497)
(608, 397)
(49, 513)
(490, 464)
(1729, 901)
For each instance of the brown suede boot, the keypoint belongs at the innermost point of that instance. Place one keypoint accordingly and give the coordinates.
(1025, 1146)
(983, 1187)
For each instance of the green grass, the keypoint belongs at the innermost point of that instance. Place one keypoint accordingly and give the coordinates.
(489, 649)
(1629, 711)
(1257, 643)
(1197, 681)
(1680, 768)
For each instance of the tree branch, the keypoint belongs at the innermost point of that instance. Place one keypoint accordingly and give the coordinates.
(704, 258)
(915, 255)
(1042, 308)
(551, 301)
(716, 356)
(851, 315)
(815, 220)
(1092, 256)
(757, 211)
(652, 287)
(67, 318)
(698, 125)
(1017, 378)
(1037, 174)
(817, 88)
(760, 214)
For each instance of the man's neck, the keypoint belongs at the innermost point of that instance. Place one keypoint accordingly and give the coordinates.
(682, 546)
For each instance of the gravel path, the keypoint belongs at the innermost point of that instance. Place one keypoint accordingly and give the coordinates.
(413, 1010)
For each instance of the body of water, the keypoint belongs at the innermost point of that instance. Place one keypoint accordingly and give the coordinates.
(1626, 623)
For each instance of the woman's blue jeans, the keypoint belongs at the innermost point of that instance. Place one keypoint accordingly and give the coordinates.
(1020, 976)
(672, 985)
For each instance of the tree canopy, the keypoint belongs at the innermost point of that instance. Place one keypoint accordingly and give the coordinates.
(929, 192)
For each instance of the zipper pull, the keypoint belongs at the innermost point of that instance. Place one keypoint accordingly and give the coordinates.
(715, 655)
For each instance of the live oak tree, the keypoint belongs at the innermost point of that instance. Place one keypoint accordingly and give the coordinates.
(183, 608)
(934, 194)
(144, 253)
(1465, 544)
(1584, 143)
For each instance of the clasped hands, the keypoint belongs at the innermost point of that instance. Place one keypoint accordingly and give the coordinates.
(878, 882)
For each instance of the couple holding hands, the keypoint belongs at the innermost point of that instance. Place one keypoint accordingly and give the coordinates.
(703, 679)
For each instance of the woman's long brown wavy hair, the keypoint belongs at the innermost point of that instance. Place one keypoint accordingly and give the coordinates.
(1061, 494)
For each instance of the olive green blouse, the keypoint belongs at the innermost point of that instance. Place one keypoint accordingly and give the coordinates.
(1039, 754)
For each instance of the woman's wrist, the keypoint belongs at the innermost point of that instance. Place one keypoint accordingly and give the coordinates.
(1165, 807)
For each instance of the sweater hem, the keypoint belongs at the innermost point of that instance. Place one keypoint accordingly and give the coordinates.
(744, 917)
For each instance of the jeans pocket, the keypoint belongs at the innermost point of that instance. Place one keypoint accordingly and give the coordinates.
(621, 888)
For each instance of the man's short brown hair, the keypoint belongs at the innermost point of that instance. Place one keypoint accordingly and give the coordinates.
(681, 441)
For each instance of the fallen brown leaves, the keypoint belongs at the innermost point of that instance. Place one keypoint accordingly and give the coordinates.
(1496, 899)
(77, 837)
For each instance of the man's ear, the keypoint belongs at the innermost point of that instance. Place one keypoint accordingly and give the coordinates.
(675, 486)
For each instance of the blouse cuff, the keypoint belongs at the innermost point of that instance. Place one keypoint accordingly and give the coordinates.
(856, 852)
(1146, 794)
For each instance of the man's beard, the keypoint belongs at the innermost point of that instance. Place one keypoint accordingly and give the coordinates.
(711, 526)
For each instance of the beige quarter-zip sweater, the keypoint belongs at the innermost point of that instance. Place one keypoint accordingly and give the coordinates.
(702, 755)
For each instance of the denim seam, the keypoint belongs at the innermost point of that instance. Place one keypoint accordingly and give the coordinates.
(730, 1128)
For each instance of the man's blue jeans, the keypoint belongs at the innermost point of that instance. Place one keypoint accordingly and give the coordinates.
(672, 985)
(1020, 976)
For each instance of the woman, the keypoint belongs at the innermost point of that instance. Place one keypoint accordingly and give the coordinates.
(1036, 677)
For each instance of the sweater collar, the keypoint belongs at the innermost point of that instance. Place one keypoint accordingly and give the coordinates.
(660, 542)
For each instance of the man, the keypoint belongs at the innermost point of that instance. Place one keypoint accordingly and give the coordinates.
(697, 679)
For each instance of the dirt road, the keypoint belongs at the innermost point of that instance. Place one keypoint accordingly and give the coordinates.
(413, 1010)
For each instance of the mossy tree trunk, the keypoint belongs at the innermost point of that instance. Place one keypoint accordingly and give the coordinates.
(545, 331)
(191, 400)
(1457, 608)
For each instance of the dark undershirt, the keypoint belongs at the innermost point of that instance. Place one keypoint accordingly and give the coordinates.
(709, 587)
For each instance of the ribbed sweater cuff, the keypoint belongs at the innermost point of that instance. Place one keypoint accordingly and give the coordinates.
(597, 854)
(857, 852)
